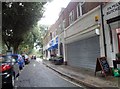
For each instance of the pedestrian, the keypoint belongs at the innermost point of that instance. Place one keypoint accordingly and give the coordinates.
(20, 62)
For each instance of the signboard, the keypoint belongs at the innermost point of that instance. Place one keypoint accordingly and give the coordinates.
(103, 66)
(111, 10)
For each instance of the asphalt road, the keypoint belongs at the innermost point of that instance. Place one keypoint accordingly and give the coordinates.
(36, 74)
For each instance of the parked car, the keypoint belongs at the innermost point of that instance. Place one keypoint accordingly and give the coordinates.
(33, 57)
(26, 58)
(9, 70)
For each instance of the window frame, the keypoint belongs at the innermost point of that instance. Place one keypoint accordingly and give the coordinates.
(71, 17)
(79, 11)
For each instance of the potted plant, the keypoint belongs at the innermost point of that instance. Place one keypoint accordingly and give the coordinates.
(59, 60)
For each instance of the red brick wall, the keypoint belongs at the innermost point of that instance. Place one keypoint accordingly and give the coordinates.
(87, 6)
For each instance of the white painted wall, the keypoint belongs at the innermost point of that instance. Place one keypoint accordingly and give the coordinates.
(0, 28)
(62, 40)
(85, 27)
(83, 23)
(114, 26)
(0, 41)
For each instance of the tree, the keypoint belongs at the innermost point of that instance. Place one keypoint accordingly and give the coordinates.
(17, 19)
(33, 39)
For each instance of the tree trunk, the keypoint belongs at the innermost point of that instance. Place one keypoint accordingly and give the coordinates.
(15, 49)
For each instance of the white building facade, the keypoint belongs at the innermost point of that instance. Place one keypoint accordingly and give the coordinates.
(112, 29)
(84, 40)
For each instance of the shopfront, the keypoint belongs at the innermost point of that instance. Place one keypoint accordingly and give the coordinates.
(83, 53)
(112, 30)
(83, 43)
(53, 47)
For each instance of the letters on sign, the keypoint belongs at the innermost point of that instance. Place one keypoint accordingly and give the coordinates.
(102, 65)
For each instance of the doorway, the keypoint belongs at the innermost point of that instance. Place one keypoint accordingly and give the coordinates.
(61, 49)
(118, 36)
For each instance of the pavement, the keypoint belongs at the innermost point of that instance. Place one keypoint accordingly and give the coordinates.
(85, 77)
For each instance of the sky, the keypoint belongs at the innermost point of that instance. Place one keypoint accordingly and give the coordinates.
(52, 11)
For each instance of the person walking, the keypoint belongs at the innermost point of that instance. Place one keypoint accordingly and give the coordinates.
(20, 62)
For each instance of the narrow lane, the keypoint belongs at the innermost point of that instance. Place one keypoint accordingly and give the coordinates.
(36, 74)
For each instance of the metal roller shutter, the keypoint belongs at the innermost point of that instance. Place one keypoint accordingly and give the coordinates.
(83, 53)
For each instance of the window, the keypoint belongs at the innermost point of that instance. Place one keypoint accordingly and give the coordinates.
(79, 9)
(71, 17)
(51, 36)
(56, 31)
(60, 26)
(64, 24)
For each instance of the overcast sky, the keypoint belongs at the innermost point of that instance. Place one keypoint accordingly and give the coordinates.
(52, 11)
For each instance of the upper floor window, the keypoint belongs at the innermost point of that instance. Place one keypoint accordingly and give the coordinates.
(55, 32)
(64, 24)
(59, 26)
(79, 9)
(71, 17)
(51, 36)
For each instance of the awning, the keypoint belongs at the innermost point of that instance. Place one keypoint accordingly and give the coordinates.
(53, 47)
(50, 48)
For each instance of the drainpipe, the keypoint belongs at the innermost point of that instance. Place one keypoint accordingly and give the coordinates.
(102, 19)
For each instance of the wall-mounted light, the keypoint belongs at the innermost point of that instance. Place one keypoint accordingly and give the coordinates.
(97, 31)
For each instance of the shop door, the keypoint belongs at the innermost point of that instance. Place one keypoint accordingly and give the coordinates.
(118, 36)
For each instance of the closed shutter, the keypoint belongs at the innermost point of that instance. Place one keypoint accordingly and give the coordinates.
(83, 53)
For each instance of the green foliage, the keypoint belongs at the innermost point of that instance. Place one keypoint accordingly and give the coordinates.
(32, 37)
(17, 19)
(116, 72)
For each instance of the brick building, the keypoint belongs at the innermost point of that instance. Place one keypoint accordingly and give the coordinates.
(80, 34)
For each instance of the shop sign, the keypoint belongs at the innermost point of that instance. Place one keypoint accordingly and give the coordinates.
(113, 8)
